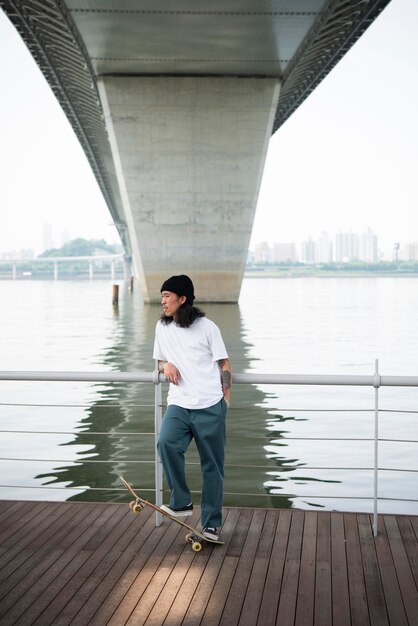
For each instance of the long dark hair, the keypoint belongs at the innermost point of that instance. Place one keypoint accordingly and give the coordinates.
(185, 316)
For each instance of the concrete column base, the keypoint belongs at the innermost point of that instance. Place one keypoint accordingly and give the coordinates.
(189, 154)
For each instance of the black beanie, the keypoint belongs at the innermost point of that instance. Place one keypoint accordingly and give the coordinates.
(181, 285)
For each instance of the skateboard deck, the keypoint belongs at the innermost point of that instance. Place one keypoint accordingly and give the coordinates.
(194, 536)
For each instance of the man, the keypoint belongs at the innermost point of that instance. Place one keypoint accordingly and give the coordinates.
(192, 355)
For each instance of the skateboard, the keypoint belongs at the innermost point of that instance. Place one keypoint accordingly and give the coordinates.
(194, 536)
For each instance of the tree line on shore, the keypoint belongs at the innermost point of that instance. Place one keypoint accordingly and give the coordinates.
(397, 267)
(74, 248)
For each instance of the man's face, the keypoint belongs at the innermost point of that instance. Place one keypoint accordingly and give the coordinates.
(171, 302)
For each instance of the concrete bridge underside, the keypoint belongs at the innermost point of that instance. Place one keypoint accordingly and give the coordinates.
(174, 107)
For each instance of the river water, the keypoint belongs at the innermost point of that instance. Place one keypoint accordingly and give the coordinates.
(288, 446)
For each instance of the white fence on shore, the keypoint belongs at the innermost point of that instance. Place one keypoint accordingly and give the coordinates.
(90, 261)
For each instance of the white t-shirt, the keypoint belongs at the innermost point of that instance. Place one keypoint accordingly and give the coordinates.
(195, 352)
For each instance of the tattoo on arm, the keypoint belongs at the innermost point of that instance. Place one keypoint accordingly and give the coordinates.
(226, 379)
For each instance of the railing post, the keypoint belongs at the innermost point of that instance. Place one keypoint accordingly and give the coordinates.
(157, 426)
(376, 385)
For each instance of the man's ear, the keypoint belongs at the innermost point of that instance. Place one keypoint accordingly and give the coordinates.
(182, 299)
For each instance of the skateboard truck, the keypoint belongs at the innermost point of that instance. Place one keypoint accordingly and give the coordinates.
(136, 505)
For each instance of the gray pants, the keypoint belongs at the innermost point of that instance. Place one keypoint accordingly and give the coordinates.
(207, 427)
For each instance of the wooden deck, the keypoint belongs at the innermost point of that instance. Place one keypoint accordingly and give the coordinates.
(86, 563)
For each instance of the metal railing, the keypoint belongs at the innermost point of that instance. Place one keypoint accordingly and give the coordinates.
(376, 380)
(65, 260)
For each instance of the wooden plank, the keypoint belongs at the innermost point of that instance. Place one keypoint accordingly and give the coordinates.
(254, 593)
(205, 567)
(39, 578)
(356, 583)
(187, 590)
(35, 538)
(306, 590)
(156, 585)
(236, 597)
(98, 564)
(393, 597)
(221, 590)
(168, 593)
(58, 588)
(272, 587)
(172, 532)
(121, 578)
(163, 588)
(339, 576)
(19, 518)
(209, 577)
(202, 580)
(240, 533)
(90, 599)
(403, 568)
(172, 586)
(323, 593)
(65, 600)
(224, 579)
(414, 523)
(7, 508)
(410, 542)
(6, 504)
(374, 589)
(31, 562)
(289, 589)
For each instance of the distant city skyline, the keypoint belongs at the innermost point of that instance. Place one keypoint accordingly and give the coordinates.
(55, 239)
(339, 247)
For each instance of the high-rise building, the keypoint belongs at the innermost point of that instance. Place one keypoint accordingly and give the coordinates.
(309, 251)
(283, 252)
(324, 248)
(346, 247)
(368, 247)
(410, 251)
(262, 253)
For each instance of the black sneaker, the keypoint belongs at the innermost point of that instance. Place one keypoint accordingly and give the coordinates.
(185, 511)
(211, 533)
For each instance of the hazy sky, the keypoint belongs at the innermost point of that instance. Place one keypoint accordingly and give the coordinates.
(346, 160)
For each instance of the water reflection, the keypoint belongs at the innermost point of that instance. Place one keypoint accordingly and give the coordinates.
(117, 427)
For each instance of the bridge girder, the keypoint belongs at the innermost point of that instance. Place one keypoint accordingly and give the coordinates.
(75, 43)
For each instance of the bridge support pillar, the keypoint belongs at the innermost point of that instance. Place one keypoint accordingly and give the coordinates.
(189, 155)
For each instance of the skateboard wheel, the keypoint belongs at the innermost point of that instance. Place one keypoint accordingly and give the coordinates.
(132, 504)
(137, 508)
(196, 545)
